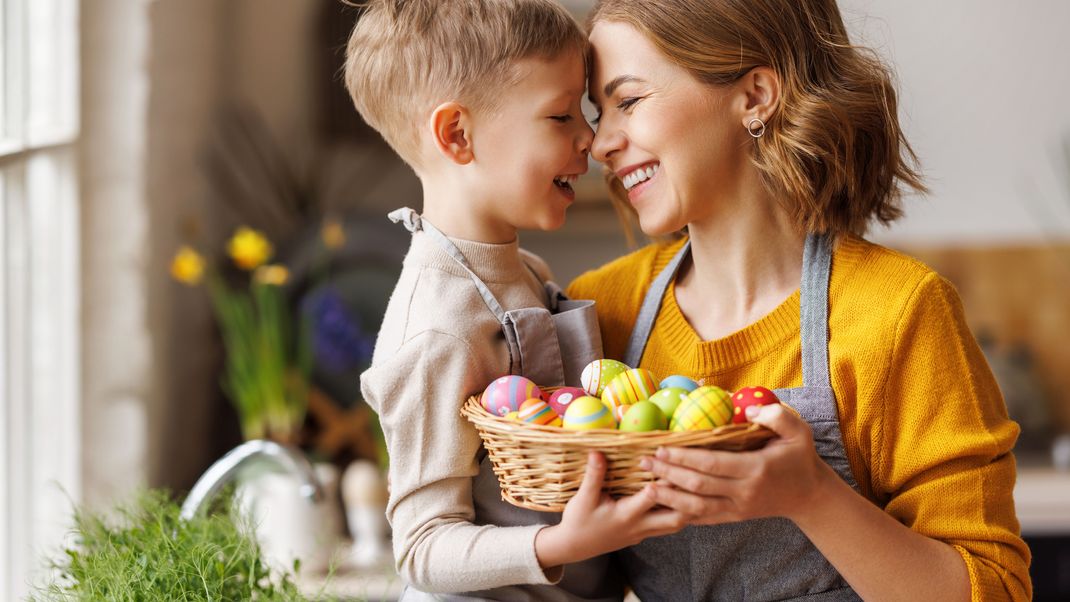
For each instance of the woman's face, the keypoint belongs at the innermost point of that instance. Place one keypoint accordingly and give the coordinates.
(675, 143)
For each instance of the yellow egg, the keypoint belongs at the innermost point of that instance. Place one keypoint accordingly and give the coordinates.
(586, 413)
(630, 387)
(512, 416)
(705, 408)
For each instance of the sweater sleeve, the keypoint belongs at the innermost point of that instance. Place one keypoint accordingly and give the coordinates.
(418, 392)
(945, 466)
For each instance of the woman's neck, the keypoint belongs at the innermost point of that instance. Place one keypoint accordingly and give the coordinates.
(745, 261)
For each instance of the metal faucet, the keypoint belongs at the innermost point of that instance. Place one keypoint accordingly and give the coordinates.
(224, 468)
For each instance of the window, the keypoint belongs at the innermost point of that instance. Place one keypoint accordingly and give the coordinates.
(39, 284)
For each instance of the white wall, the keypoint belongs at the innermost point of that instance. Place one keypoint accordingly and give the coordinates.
(985, 92)
(985, 89)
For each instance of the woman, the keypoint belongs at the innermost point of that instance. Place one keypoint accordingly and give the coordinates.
(756, 127)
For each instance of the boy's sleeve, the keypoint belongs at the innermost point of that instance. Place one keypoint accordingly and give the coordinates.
(418, 393)
(945, 465)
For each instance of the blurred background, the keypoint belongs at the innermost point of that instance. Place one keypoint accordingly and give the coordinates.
(130, 129)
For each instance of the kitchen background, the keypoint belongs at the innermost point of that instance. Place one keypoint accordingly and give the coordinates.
(128, 129)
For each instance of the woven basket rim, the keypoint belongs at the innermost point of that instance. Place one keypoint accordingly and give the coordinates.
(522, 432)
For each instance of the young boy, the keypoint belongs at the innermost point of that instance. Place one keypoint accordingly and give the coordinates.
(482, 99)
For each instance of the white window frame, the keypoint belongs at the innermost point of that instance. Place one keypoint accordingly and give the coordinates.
(40, 417)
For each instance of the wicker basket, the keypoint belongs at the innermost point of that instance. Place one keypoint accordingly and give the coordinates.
(541, 467)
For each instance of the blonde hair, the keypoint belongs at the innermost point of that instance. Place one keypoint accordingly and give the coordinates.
(406, 56)
(833, 151)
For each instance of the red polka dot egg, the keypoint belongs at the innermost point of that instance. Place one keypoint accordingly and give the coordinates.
(747, 397)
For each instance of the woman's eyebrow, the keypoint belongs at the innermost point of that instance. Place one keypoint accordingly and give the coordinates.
(615, 83)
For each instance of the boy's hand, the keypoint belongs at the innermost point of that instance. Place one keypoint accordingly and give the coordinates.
(593, 523)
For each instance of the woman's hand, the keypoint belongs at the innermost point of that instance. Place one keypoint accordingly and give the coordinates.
(710, 487)
(593, 523)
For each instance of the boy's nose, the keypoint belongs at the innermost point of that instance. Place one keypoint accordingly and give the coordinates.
(585, 139)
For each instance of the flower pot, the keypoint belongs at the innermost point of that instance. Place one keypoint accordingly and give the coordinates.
(288, 525)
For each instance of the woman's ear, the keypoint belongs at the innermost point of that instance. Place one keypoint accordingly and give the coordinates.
(451, 131)
(761, 92)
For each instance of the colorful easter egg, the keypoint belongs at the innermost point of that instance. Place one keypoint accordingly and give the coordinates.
(537, 411)
(750, 396)
(505, 394)
(705, 408)
(644, 416)
(618, 412)
(629, 387)
(512, 416)
(560, 398)
(586, 413)
(678, 382)
(598, 374)
(669, 399)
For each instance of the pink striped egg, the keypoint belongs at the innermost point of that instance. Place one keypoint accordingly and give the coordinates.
(505, 394)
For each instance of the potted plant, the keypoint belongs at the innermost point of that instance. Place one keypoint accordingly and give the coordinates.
(148, 553)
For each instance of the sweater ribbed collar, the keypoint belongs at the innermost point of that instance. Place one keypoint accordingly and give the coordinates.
(490, 262)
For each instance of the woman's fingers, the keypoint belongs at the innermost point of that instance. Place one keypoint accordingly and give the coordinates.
(695, 481)
(723, 464)
(780, 420)
(701, 510)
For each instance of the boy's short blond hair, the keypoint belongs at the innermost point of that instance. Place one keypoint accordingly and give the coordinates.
(405, 57)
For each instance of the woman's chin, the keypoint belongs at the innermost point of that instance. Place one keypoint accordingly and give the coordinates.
(659, 226)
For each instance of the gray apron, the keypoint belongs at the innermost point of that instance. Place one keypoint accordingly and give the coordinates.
(551, 347)
(763, 559)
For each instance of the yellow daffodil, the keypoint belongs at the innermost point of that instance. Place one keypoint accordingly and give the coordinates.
(188, 266)
(333, 235)
(275, 275)
(249, 249)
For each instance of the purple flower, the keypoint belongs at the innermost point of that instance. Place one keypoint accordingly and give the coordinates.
(339, 342)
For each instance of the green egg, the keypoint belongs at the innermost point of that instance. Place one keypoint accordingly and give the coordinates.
(644, 416)
(669, 398)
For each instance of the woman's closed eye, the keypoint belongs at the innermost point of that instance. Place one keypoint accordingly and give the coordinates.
(623, 106)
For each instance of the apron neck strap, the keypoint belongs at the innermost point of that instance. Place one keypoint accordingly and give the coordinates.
(414, 223)
(648, 312)
(813, 312)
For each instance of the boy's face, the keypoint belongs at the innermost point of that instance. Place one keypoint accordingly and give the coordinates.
(533, 144)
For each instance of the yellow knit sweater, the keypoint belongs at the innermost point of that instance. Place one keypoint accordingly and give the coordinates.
(924, 424)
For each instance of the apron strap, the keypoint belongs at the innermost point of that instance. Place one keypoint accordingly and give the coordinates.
(814, 310)
(414, 223)
(648, 312)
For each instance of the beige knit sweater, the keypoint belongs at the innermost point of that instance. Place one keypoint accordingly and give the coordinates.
(438, 344)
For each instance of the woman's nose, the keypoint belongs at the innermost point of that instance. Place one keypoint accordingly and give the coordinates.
(607, 140)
